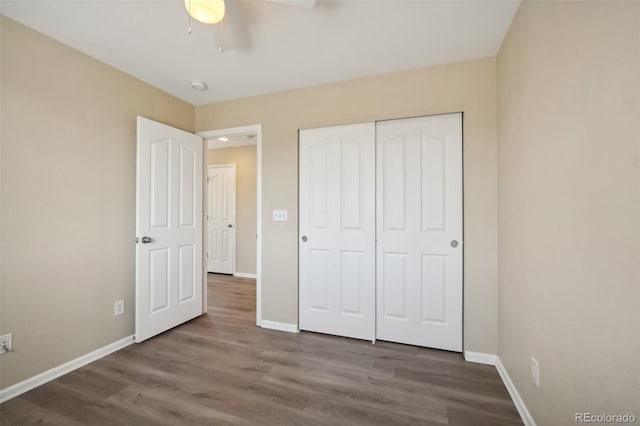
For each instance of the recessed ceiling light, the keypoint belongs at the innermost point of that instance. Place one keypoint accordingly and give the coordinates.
(223, 139)
(199, 85)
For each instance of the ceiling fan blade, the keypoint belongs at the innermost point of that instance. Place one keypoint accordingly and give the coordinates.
(296, 3)
(231, 33)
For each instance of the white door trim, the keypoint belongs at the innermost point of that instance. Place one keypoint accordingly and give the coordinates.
(239, 131)
(235, 214)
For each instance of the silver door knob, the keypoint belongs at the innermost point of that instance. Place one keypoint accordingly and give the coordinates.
(454, 243)
(229, 226)
(304, 238)
(146, 240)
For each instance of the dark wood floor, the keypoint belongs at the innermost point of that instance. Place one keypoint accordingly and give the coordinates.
(221, 369)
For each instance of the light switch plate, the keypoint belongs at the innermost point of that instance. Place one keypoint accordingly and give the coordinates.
(279, 215)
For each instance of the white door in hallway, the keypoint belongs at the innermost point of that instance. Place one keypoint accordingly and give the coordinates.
(168, 228)
(221, 218)
(419, 231)
(337, 230)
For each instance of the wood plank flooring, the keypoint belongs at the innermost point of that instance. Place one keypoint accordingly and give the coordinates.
(221, 369)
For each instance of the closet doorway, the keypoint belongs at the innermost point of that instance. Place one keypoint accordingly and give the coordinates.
(380, 241)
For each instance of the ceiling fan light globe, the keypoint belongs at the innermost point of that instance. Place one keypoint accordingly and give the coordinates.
(205, 11)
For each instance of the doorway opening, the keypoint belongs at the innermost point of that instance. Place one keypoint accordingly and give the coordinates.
(233, 204)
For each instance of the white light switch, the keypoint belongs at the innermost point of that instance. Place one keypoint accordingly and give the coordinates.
(279, 215)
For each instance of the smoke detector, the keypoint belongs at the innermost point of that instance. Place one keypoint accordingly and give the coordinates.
(199, 85)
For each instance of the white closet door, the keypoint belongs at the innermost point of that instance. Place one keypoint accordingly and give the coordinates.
(221, 218)
(337, 230)
(419, 231)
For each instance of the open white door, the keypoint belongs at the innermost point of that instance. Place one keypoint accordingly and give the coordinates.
(168, 228)
(419, 231)
(221, 218)
(337, 230)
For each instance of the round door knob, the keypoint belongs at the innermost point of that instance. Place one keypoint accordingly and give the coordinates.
(229, 226)
(146, 240)
(304, 239)
(454, 243)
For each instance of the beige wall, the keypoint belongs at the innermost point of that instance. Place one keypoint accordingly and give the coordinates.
(469, 87)
(68, 198)
(569, 186)
(568, 196)
(244, 157)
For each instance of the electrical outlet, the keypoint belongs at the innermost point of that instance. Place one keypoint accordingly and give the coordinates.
(535, 372)
(6, 343)
(118, 308)
(279, 215)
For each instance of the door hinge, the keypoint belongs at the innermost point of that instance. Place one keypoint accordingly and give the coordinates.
(207, 255)
(207, 179)
(207, 217)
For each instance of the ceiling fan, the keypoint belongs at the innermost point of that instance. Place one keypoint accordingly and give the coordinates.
(216, 12)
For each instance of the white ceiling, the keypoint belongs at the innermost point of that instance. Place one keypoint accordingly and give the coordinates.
(278, 47)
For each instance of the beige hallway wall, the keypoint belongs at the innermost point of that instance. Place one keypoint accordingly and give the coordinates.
(244, 157)
(469, 87)
(569, 205)
(68, 198)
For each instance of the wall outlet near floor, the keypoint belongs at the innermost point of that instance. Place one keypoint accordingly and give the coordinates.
(6, 343)
(535, 372)
(279, 215)
(118, 308)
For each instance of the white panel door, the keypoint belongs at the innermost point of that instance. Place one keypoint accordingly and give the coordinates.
(337, 230)
(221, 221)
(168, 228)
(419, 231)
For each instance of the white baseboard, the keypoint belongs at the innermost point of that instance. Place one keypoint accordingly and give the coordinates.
(67, 367)
(490, 359)
(281, 326)
(480, 358)
(527, 419)
(244, 275)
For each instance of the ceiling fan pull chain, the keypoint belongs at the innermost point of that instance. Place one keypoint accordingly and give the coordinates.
(221, 47)
(189, 21)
